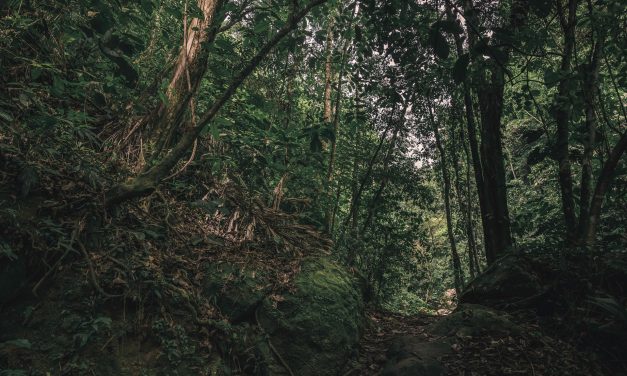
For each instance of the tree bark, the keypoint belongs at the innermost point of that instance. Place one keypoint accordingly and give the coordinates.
(465, 203)
(336, 123)
(472, 136)
(491, 106)
(602, 186)
(562, 118)
(189, 69)
(147, 181)
(490, 94)
(590, 93)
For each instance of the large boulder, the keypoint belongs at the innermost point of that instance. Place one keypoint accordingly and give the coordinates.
(314, 328)
(509, 280)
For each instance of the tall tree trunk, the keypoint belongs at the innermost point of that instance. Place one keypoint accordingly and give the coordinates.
(464, 205)
(336, 124)
(472, 133)
(490, 94)
(146, 182)
(457, 266)
(590, 93)
(562, 118)
(476, 160)
(472, 242)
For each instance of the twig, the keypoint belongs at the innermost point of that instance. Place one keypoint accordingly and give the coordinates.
(191, 158)
(56, 264)
(92, 273)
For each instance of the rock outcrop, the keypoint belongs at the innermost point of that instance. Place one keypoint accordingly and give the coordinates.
(310, 330)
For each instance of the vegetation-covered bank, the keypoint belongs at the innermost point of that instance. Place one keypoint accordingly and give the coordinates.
(188, 186)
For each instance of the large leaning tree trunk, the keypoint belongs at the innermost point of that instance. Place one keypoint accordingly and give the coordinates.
(147, 181)
(189, 69)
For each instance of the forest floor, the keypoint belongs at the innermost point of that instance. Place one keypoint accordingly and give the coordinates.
(382, 328)
(484, 355)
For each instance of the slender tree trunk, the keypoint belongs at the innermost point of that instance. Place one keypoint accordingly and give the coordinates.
(590, 92)
(358, 189)
(386, 163)
(336, 206)
(476, 161)
(147, 181)
(473, 261)
(457, 267)
(357, 194)
(336, 124)
(562, 118)
(486, 218)
(355, 201)
(328, 75)
(464, 205)
(602, 186)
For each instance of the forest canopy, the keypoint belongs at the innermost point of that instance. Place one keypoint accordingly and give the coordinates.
(414, 142)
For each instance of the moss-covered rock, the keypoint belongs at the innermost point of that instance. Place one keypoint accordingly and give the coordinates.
(236, 292)
(471, 320)
(316, 327)
(510, 279)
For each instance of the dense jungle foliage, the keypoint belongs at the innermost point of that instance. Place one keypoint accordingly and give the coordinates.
(411, 144)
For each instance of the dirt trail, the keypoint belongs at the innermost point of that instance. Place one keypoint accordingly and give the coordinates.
(381, 329)
(527, 350)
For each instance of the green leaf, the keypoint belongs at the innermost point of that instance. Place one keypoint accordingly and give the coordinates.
(262, 26)
(20, 343)
(460, 69)
(58, 86)
(35, 73)
(214, 130)
(6, 116)
(13, 372)
(147, 6)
